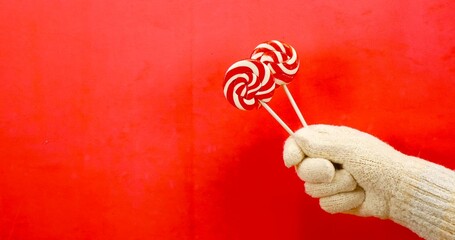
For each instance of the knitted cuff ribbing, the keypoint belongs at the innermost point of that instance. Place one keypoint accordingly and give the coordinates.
(425, 200)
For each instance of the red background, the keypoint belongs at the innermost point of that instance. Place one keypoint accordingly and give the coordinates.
(114, 126)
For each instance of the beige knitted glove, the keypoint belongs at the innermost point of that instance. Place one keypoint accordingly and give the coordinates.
(354, 172)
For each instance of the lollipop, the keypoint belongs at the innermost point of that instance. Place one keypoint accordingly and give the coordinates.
(249, 84)
(280, 57)
(283, 62)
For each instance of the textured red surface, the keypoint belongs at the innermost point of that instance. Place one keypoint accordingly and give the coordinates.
(113, 124)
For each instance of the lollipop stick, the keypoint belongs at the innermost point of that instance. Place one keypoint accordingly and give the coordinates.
(294, 105)
(277, 118)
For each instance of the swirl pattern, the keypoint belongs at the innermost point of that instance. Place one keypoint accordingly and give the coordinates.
(280, 57)
(247, 83)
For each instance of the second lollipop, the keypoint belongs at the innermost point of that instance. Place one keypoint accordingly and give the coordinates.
(283, 62)
(280, 57)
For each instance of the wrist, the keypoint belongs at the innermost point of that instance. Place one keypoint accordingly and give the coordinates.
(424, 199)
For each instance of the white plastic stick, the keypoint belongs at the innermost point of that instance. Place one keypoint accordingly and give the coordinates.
(294, 105)
(277, 118)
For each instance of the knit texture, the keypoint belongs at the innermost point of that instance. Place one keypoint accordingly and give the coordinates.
(368, 177)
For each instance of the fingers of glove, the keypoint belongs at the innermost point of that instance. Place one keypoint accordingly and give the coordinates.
(342, 202)
(374, 205)
(316, 170)
(324, 141)
(292, 153)
(342, 182)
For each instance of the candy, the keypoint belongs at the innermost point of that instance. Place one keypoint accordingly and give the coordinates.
(248, 83)
(280, 57)
(283, 62)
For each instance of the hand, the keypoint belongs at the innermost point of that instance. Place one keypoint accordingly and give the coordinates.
(354, 172)
(367, 172)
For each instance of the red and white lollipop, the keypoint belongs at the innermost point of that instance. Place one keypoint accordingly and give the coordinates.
(280, 57)
(283, 62)
(248, 84)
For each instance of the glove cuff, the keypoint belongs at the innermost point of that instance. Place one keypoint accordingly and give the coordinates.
(425, 199)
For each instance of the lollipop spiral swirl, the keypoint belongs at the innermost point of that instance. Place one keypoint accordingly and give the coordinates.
(280, 57)
(247, 83)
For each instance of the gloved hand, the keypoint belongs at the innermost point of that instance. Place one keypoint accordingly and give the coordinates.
(356, 173)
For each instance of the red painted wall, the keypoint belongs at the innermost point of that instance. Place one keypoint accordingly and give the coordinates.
(113, 124)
